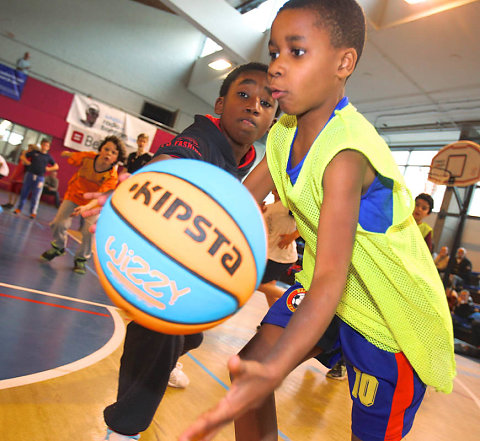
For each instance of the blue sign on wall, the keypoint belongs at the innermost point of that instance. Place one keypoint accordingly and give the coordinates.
(11, 82)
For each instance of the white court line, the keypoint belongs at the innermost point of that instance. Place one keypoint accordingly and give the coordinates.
(115, 340)
(468, 391)
(58, 296)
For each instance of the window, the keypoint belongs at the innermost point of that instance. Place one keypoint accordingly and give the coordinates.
(14, 138)
(475, 202)
(415, 165)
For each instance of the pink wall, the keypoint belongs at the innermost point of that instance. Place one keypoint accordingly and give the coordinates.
(45, 108)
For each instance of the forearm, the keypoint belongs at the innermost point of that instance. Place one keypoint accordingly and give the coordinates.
(310, 321)
(52, 168)
(259, 182)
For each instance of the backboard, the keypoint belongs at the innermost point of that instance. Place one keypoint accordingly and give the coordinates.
(456, 165)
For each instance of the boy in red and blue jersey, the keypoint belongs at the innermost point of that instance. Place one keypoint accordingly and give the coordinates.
(247, 111)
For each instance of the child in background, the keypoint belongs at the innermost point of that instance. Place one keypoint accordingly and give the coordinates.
(96, 172)
(423, 207)
(282, 248)
(139, 158)
(39, 162)
(51, 187)
(16, 178)
(365, 260)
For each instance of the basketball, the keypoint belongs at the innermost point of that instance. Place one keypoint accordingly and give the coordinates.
(180, 245)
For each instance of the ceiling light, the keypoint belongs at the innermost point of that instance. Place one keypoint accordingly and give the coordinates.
(220, 64)
(414, 2)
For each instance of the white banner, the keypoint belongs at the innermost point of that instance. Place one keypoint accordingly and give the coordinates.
(91, 121)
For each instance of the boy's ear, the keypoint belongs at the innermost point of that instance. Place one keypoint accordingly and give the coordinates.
(219, 102)
(347, 62)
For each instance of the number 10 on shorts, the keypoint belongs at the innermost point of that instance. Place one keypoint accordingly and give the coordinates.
(364, 388)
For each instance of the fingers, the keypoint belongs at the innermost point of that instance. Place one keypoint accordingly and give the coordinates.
(235, 365)
(92, 195)
(200, 430)
(92, 212)
(208, 424)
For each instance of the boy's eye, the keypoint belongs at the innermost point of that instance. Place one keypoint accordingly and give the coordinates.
(298, 52)
(273, 55)
(265, 103)
(243, 94)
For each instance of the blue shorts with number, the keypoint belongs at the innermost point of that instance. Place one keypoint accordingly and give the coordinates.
(385, 390)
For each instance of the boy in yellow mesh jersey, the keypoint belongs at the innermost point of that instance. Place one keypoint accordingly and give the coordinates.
(365, 260)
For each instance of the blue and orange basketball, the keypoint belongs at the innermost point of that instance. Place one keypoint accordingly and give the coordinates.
(180, 245)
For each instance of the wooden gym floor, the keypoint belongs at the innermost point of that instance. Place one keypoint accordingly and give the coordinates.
(61, 337)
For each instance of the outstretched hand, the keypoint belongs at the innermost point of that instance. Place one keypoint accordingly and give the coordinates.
(252, 384)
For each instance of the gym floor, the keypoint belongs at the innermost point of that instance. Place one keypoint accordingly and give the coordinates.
(61, 341)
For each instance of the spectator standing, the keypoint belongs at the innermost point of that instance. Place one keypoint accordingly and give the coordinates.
(23, 64)
(139, 158)
(51, 186)
(39, 162)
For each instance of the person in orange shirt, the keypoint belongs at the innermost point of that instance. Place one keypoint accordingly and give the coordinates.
(96, 173)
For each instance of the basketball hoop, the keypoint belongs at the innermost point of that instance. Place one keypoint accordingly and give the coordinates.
(456, 165)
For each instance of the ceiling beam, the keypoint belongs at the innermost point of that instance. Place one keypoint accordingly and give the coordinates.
(223, 24)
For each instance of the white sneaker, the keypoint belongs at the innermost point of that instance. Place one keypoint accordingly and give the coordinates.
(114, 436)
(178, 378)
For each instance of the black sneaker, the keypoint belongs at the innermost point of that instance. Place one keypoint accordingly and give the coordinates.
(7, 206)
(338, 372)
(52, 253)
(79, 265)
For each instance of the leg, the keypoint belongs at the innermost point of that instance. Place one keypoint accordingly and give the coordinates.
(36, 194)
(84, 250)
(261, 423)
(147, 360)
(272, 291)
(385, 390)
(57, 199)
(26, 187)
(61, 223)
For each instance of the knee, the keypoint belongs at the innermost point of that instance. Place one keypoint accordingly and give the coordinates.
(192, 342)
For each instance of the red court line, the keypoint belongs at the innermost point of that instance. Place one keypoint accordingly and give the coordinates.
(54, 305)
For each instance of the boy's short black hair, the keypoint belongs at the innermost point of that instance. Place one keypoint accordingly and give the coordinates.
(44, 140)
(427, 198)
(343, 19)
(235, 73)
(122, 152)
(142, 135)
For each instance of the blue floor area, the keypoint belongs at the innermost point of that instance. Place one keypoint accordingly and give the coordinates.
(23, 240)
(46, 318)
